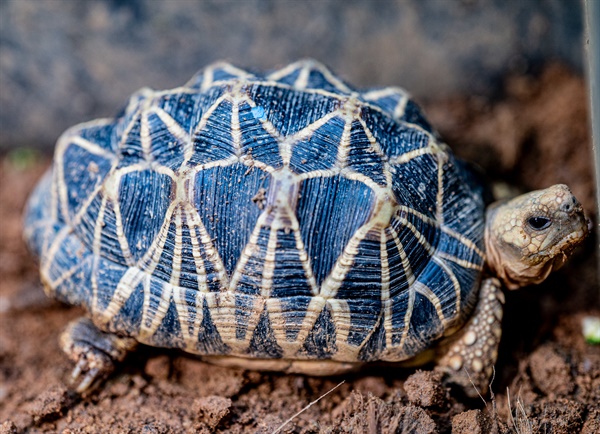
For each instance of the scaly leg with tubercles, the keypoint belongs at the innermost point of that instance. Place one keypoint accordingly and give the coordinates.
(468, 357)
(94, 352)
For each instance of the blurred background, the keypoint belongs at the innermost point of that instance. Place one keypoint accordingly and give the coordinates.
(64, 61)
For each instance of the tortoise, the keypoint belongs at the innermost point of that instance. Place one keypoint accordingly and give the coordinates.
(285, 221)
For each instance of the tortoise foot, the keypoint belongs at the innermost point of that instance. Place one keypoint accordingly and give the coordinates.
(468, 357)
(94, 352)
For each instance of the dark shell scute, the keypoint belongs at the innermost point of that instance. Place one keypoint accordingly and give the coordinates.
(363, 158)
(394, 138)
(143, 209)
(289, 110)
(250, 282)
(413, 115)
(330, 210)
(167, 149)
(263, 343)
(320, 151)
(169, 333)
(320, 343)
(289, 276)
(209, 339)
(223, 198)
(256, 142)
(214, 141)
(83, 172)
(415, 184)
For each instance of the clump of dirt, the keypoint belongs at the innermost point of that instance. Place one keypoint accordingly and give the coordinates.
(547, 378)
(475, 422)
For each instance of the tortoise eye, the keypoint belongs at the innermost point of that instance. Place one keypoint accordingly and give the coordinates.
(538, 223)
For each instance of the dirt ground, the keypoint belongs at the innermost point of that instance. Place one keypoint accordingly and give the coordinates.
(547, 379)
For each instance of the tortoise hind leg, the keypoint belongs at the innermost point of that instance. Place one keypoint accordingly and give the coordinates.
(468, 356)
(94, 352)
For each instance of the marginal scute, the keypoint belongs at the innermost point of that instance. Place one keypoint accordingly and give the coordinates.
(284, 215)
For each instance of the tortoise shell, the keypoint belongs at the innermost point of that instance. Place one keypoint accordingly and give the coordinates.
(278, 216)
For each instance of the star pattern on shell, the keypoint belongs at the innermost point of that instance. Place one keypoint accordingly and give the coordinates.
(234, 265)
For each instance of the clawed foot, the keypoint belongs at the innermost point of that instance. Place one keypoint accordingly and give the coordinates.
(94, 352)
(468, 357)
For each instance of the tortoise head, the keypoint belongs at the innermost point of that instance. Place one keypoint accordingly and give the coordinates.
(531, 235)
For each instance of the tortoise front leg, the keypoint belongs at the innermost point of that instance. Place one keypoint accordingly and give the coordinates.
(468, 356)
(94, 352)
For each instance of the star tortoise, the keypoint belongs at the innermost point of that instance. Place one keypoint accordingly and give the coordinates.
(284, 222)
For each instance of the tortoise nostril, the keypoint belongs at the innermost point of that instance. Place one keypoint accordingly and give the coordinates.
(568, 205)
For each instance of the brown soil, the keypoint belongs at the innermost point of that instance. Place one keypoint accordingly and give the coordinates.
(547, 378)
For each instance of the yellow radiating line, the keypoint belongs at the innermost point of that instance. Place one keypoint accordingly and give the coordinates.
(128, 282)
(200, 272)
(173, 91)
(439, 210)
(304, 259)
(331, 78)
(92, 148)
(48, 258)
(344, 263)
(171, 124)
(409, 309)
(269, 263)
(207, 78)
(123, 243)
(197, 254)
(462, 262)
(250, 248)
(98, 226)
(426, 291)
(385, 267)
(189, 151)
(287, 70)
(152, 256)
(467, 242)
(385, 292)
(305, 133)
(418, 235)
(86, 204)
(67, 274)
(411, 155)
(410, 277)
(377, 94)
(302, 79)
(340, 311)
(54, 199)
(357, 176)
(329, 173)
(145, 134)
(344, 145)
(386, 305)
(61, 185)
(236, 132)
(212, 254)
(150, 261)
(453, 279)
(400, 108)
(379, 151)
(128, 129)
(178, 291)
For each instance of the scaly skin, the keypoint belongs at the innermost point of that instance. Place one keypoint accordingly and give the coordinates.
(526, 239)
(518, 253)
